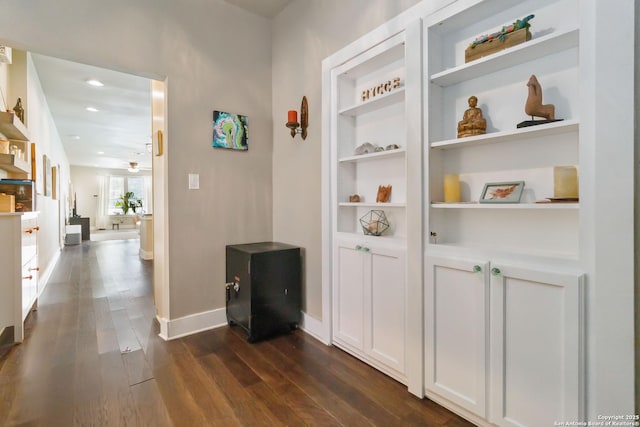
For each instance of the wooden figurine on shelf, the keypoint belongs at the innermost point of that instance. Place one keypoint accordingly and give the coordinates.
(354, 198)
(534, 106)
(384, 194)
(472, 122)
(18, 110)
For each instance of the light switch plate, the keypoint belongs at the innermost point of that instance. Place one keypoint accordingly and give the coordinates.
(194, 181)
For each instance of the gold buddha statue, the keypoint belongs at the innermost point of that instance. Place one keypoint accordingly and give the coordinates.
(472, 122)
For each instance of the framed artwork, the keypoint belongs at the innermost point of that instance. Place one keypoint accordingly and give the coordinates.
(230, 131)
(46, 173)
(34, 174)
(502, 192)
(54, 182)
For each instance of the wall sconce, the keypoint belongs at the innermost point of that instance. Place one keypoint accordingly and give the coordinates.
(133, 167)
(292, 120)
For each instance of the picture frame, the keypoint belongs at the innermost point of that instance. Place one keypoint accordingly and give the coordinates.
(502, 192)
(54, 182)
(230, 131)
(46, 173)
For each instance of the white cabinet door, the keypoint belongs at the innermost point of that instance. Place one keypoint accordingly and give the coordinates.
(385, 306)
(536, 347)
(456, 310)
(348, 291)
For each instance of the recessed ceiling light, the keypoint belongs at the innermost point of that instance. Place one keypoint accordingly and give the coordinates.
(100, 152)
(92, 109)
(74, 136)
(94, 82)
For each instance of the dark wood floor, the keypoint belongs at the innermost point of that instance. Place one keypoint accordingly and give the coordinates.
(92, 357)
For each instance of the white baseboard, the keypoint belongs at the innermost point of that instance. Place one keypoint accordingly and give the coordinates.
(146, 255)
(45, 275)
(192, 324)
(314, 327)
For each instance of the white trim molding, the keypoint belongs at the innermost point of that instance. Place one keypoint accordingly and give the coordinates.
(192, 324)
(315, 328)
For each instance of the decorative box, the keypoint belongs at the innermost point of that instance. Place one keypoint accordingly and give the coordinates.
(495, 45)
(7, 202)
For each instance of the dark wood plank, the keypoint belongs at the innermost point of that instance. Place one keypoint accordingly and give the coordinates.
(136, 366)
(296, 400)
(247, 410)
(150, 408)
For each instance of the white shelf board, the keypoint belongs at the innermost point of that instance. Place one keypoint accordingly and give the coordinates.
(10, 163)
(525, 52)
(387, 52)
(372, 205)
(520, 206)
(374, 156)
(391, 240)
(555, 128)
(12, 128)
(376, 103)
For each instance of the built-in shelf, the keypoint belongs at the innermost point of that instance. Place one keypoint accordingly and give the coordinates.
(555, 128)
(374, 205)
(10, 163)
(388, 240)
(522, 206)
(373, 156)
(525, 52)
(376, 103)
(12, 128)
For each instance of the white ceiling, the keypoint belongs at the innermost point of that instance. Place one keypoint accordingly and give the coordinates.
(122, 126)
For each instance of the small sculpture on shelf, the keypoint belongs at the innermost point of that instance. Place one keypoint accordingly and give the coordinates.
(384, 194)
(374, 223)
(472, 122)
(354, 198)
(18, 110)
(534, 106)
(365, 148)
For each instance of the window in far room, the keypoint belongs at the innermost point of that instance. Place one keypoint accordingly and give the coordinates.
(120, 185)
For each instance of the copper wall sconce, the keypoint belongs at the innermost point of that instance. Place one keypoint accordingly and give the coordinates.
(292, 120)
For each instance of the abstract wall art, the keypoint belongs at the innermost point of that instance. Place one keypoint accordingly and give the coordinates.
(230, 131)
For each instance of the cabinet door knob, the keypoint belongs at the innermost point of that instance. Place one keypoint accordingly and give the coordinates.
(29, 230)
(34, 269)
(358, 247)
(29, 277)
(365, 249)
(36, 228)
(495, 271)
(477, 269)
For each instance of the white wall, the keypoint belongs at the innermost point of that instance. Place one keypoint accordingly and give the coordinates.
(214, 56)
(305, 33)
(85, 184)
(43, 132)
